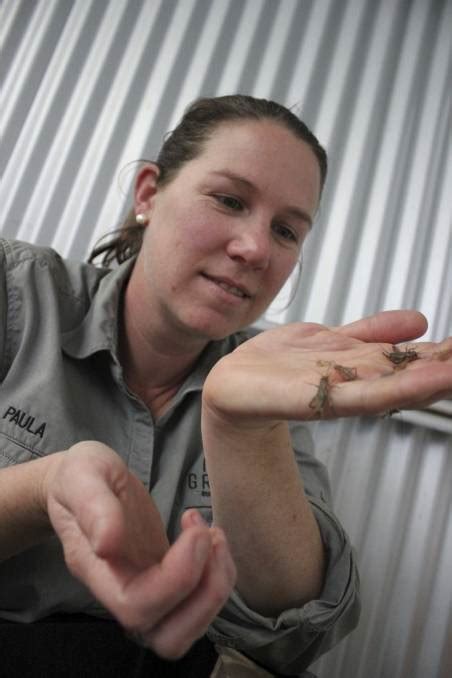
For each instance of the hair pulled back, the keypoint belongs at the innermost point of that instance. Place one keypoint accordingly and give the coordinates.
(186, 142)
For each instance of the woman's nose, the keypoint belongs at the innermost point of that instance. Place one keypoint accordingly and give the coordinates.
(251, 244)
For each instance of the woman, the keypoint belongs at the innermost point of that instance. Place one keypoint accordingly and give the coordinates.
(139, 379)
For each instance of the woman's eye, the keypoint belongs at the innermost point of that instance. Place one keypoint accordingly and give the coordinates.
(285, 233)
(230, 202)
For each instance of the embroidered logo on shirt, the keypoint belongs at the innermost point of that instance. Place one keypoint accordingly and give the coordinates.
(199, 481)
(25, 421)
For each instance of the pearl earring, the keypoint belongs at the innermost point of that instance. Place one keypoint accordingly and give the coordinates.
(141, 219)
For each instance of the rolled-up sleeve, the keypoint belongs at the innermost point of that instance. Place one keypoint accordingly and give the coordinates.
(289, 643)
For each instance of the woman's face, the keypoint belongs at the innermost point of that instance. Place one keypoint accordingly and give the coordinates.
(224, 235)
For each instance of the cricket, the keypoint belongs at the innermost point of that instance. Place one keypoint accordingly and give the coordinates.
(400, 359)
(321, 400)
(347, 373)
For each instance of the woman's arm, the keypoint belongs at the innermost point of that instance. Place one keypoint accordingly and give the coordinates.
(292, 373)
(115, 543)
(24, 519)
(259, 500)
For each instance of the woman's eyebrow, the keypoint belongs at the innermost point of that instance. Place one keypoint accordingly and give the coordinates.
(295, 212)
(298, 213)
(236, 178)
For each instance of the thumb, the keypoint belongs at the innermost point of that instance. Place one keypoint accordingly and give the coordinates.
(390, 327)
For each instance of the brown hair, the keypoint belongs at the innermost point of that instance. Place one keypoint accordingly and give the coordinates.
(186, 142)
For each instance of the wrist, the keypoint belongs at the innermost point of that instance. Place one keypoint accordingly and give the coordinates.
(50, 466)
(235, 422)
(245, 436)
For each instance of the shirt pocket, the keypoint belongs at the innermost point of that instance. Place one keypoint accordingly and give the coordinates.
(14, 451)
(21, 436)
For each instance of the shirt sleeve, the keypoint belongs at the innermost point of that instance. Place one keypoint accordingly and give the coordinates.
(3, 310)
(291, 642)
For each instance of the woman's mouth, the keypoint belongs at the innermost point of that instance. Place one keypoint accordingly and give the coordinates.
(229, 286)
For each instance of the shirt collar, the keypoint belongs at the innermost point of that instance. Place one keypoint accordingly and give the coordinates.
(98, 329)
(211, 354)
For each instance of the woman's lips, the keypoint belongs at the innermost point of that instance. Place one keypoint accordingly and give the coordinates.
(229, 286)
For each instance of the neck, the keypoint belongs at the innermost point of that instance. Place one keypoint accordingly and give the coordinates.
(155, 362)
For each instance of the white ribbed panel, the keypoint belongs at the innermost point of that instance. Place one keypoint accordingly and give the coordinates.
(88, 86)
(392, 487)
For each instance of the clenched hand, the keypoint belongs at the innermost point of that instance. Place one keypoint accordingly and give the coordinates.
(114, 541)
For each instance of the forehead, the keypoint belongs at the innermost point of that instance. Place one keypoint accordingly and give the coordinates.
(267, 154)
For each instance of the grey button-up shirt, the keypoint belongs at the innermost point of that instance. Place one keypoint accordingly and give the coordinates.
(61, 382)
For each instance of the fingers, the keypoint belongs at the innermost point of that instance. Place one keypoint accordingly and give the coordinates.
(191, 586)
(137, 535)
(174, 635)
(171, 604)
(101, 520)
(170, 601)
(175, 578)
(142, 600)
(108, 505)
(390, 327)
(407, 389)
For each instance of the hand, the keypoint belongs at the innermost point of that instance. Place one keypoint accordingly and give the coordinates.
(295, 372)
(114, 541)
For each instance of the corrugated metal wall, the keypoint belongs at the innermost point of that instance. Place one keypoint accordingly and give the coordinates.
(90, 85)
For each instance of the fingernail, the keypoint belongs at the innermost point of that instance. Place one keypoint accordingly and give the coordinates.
(197, 519)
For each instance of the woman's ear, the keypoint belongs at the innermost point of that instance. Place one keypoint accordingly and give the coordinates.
(145, 188)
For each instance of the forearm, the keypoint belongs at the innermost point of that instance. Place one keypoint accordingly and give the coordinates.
(24, 521)
(259, 501)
